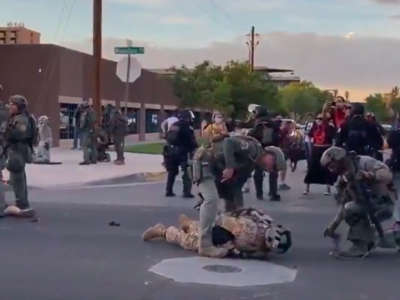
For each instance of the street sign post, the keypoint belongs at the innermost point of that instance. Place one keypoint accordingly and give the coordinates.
(129, 50)
(128, 69)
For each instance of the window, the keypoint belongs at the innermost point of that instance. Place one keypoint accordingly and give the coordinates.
(152, 121)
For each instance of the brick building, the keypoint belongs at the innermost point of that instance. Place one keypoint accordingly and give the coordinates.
(56, 79)
(16, 33)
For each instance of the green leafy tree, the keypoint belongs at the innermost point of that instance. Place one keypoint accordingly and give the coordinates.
(300, 99)
(229, 89)
(376, 104)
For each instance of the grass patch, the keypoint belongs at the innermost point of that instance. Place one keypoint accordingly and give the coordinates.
(151, 148)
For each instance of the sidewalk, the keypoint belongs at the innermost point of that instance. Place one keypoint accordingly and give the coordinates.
(70, 173)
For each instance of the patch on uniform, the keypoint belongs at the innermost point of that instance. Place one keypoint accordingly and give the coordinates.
(244, 145)
(22, 127)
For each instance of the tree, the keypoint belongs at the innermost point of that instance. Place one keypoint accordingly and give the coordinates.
(376, 104)
(229, 89)
(303, 98)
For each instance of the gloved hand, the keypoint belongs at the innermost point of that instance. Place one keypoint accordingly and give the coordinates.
(47, 146)
(329, 232)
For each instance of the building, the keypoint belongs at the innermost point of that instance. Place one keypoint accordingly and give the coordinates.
(281, 77)
(16, 33)
(56, 79)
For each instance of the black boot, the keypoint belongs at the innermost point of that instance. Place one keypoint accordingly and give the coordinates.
(170, 184)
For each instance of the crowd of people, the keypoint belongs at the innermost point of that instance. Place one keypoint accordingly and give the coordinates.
(341, 145)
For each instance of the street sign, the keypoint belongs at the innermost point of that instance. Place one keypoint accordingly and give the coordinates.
(129, 50)
(128, 69)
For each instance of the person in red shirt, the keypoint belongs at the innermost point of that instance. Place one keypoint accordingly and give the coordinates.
(321, 134)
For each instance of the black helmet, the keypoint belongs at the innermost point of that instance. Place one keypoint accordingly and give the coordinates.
(186, 115)
(357, 109)
(260, 111)
(19, 101)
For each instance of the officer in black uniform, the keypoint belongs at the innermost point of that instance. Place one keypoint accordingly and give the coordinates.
(266, 131)
(181, 143)
(359, 135)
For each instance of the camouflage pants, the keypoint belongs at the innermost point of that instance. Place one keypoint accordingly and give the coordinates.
(187, 238)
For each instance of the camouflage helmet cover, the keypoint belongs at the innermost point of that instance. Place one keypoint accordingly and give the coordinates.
(19, 101)
(332, 154)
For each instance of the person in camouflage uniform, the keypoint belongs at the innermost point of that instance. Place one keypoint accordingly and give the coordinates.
(249, 233)
(88, 134)
(366, 198)
(119, 126)
(231, 166)
(18, 136)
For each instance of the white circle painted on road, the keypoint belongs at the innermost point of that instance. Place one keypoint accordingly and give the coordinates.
(224, 272)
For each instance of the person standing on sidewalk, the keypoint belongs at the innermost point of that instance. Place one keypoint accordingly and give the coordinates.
(19, 135)
(119, 125)
(88, 134)
(76, 122)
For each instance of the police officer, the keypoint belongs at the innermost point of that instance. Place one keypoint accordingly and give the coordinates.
(181, 142)
(266, 132)
(119, 125)
(19, 135)
(88, 134)
(364, 197)
(239, 156)
(359, 135)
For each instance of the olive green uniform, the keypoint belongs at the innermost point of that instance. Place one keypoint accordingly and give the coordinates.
(238, 153)
(352, 210)
(88, 135)
(19, 152)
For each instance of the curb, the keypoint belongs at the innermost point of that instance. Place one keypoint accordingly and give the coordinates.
(133, 178)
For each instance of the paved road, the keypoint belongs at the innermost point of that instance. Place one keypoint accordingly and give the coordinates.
(72, 253)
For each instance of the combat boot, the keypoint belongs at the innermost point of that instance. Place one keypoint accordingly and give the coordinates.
(157, 231)
(357, 250)
(213, 252)
(184, 222)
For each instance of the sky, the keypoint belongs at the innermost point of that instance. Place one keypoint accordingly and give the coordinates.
(345, 44)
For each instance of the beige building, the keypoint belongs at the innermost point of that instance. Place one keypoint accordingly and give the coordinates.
(16, 33)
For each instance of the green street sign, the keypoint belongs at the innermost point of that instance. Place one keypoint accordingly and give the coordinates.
(129, 50)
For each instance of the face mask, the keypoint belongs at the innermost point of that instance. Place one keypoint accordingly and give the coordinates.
(218, 120)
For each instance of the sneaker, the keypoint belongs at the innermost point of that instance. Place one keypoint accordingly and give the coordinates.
(357, 250)
(170, 194)
(84, 163)
(327, 193)
(305, 193)
(119, 162)
(284, 187)
(275, 198)
(245, 190)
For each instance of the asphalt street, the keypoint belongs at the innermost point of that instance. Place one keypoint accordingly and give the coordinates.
(73, 253)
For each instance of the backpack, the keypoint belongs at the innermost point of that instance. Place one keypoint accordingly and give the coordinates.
(357, 140)
(267, 134)
(173, 135)
(33, 139)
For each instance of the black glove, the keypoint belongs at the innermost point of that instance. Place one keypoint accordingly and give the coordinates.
(47, 146)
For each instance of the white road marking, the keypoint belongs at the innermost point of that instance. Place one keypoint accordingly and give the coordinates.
(254, 272)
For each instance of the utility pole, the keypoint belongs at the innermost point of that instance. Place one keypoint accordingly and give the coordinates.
(97, 15)
(252, 43)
